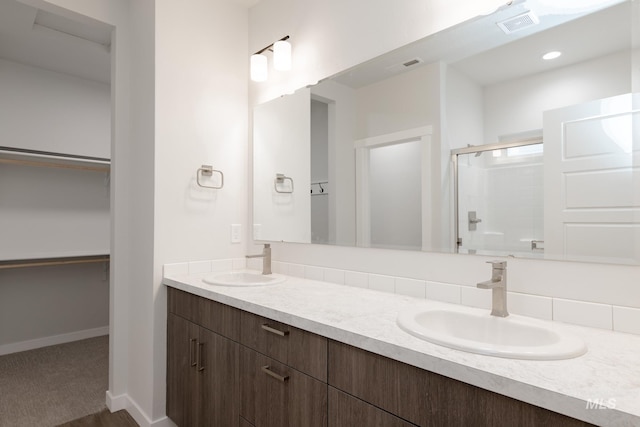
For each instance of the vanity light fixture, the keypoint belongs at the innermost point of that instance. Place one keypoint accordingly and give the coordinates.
(551, 55)
(281, 59)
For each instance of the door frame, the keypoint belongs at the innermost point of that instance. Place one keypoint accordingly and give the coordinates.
(363, 201)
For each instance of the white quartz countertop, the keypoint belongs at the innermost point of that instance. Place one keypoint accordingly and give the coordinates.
(601, 387)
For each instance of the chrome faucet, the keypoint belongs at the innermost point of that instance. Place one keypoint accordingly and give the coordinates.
(498, 286)
(266, 258)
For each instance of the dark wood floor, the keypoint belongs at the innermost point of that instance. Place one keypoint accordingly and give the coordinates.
(103, 419)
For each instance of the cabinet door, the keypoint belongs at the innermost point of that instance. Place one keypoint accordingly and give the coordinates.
(347, 411)
(218, 376)
(182, 376)
(275, 395)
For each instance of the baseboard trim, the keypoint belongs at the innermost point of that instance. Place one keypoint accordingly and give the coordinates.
(52, 340)
(123, 401)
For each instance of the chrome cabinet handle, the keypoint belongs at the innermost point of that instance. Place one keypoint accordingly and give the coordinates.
(192, 341)
(268, 328)
(267, 370)
(200, 365)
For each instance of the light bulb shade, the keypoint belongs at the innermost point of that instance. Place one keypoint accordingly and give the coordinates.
(282, 55)
(259, 68)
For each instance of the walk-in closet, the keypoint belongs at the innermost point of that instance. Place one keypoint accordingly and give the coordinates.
(55, 150)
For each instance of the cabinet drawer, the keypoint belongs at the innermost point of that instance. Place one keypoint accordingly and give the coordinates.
(347, 411)
(275, 395)
(428, 399)
(302, 350)
(219, 318)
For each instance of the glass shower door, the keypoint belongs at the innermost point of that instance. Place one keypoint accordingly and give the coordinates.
(500, 199)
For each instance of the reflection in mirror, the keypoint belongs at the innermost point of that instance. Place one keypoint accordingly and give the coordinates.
(476, 84)
(499, 198)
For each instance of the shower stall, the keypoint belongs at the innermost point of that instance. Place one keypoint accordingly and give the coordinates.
(499, 198)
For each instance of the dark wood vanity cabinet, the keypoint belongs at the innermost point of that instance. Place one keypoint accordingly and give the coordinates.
(276, 395)
(424, 398)
(227, 367)
(283, 373)
(202, 366)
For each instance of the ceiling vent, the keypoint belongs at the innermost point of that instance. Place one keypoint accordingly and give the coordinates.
(517, 23)
(412, 62)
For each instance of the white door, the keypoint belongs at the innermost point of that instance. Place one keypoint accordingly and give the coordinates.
(590, 162)
(281, 145)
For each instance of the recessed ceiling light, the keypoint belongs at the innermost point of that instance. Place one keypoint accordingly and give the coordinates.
(551, 55)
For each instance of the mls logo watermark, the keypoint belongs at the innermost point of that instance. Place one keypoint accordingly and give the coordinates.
(601, 403)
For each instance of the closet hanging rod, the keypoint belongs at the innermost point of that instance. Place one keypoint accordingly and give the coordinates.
(35, 158)
(40, 153)
(44, 262)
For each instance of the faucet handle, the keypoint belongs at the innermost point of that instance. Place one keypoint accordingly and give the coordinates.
(500, 265)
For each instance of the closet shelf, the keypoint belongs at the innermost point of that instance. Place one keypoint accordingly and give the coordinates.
(43, 262)
(34, 158)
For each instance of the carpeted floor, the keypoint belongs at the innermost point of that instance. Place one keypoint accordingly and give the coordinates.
(103, 419)
(54, 385)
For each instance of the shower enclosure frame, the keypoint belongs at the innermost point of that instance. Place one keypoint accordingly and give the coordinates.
(477, 149)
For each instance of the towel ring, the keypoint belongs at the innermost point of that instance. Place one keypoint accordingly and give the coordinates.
(208, 170)
(280, 179)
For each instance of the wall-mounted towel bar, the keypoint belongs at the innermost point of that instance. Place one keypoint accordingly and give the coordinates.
(208, 170)
(279, 182)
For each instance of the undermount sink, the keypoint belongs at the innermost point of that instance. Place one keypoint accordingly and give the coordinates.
(243, 278)
(475, 331)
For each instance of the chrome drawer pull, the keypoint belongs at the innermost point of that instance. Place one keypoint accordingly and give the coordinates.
(200, 349)
(268, 328)
(267, 370)
(192, 341)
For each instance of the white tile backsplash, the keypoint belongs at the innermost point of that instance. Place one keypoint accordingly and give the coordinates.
(626, 319)
(530, 305)
(474, 297)
(357, 279)
(604, 316)
(241, 263)
(332, 275)
(411, 287)
(382, 283)
(583, 313)
(296, 270)
(280, 267)
(443, 292)
(220, 265)
(255, 264)
(198, 267)
(177, 269)
(313, 273)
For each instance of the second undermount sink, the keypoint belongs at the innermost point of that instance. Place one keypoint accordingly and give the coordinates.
(475, 331)
(243, 278)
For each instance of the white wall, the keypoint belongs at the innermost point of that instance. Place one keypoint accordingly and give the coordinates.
(463, 113)
(324, 45)
(201, 117)
(49, 111)
(42, 306)
(416, 93)
(516, 106)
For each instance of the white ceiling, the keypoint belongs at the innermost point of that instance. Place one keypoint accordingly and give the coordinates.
(480, 49)
(41, 39)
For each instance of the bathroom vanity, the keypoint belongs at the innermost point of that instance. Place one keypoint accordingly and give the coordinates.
(308, 353)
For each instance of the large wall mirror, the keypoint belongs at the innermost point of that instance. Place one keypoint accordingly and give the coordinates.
(467, 141)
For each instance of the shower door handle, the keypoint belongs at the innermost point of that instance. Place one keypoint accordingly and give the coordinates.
(473, 220)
